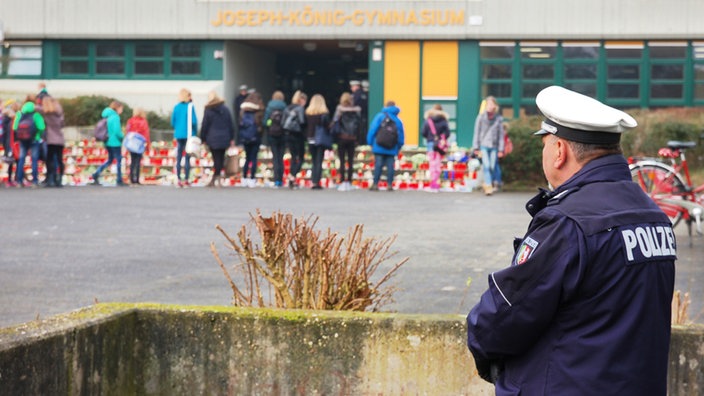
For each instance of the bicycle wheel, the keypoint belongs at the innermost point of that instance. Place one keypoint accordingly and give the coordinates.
(658, 180)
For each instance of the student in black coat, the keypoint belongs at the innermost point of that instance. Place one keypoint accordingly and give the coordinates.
(217, 132)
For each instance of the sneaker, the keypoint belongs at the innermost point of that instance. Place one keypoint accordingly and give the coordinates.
(317, 187)
(95, 182)
(488, 189)
(374, 187)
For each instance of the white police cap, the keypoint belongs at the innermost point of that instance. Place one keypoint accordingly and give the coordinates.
(576, 117)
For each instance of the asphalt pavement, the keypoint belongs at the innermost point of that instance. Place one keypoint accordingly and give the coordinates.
(63, 249)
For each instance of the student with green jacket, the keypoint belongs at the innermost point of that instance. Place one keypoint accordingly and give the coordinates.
(114, 142)
(34, 122)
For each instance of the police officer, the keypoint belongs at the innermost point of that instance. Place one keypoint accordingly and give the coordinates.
(584, 308)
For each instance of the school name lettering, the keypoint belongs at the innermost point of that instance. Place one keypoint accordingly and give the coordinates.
(310, 17)
(648, 242)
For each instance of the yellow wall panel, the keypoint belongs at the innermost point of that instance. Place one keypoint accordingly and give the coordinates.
(402, 83)
(440, 68)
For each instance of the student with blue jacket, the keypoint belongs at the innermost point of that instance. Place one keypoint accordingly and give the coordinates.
(385, 154)
(184, 111)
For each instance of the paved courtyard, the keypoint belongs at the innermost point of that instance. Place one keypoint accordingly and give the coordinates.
(63, 249)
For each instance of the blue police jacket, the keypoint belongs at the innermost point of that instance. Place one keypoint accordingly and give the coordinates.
(584, 309)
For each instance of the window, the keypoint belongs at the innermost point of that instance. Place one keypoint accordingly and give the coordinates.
(624, 61)
(148, 59)
(497, 59)
(185, 58)
(143, 59)
(580, 66)
(698, 58)
(21, 59)
(74, 58)
(667, 71)
(110, 58)
(537, 68)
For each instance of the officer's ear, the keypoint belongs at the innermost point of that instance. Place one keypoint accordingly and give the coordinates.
(561, 154)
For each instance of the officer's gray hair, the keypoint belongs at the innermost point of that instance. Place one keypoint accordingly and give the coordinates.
(584, 152)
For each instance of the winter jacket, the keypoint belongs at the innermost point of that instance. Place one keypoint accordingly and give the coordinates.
(442, 127)
(392, 112)
(273, 104)
(140, 126)
(218, 129)
(584, 308)
(488, 132)
(54, 122)
(28, 108)
(115, 134)
(179, 120)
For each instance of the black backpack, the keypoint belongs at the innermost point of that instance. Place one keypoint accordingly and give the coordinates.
(26, 128)
(275, 123)
(350, 126)
(291, 121)
(387, 135)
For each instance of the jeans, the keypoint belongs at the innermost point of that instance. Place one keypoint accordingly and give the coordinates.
(316, 153)
(180, 154)
(33, 148)
(489, 158)
(278, 146)
(114, 153)
(250, 159)
(296, 145)
(346, 149)
(381, 160)
(54, 164)
(135, 166)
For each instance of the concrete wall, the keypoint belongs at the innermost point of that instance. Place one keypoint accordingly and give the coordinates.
(164, 350)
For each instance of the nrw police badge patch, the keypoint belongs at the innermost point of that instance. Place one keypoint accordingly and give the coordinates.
(526, 250)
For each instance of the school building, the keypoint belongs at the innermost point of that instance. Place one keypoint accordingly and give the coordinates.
(627, 53)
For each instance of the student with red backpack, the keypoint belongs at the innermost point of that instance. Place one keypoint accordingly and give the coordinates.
(29, 128)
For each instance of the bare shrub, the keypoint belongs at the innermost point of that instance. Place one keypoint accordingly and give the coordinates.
(293, 265)
(680, 308)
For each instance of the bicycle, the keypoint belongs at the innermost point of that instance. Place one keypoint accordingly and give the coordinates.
(664, 183)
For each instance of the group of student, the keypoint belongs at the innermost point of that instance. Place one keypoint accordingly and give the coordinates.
(32, 128)
(35, 128)
(291, 127)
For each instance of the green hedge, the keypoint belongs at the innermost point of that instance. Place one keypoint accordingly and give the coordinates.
(86, 110)
(655, 128)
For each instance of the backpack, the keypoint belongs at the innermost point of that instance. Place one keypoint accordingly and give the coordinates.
(248, 128)
(350, 123)
(291, 121)
(26, 128)
(387, 135)
(274, 123)
(101, 130)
